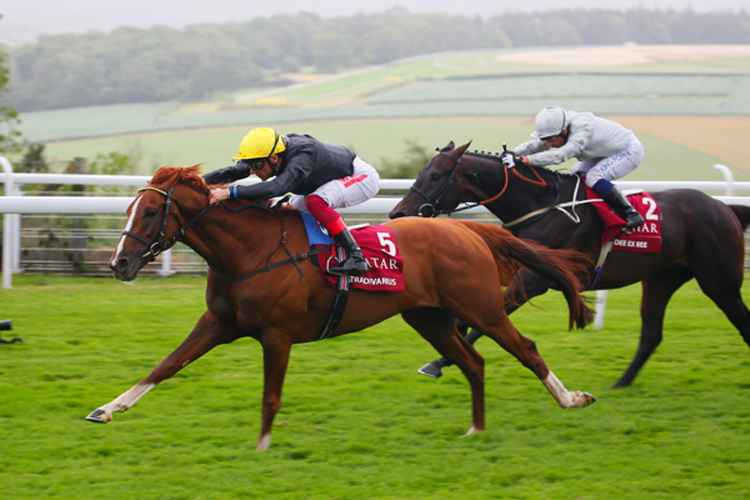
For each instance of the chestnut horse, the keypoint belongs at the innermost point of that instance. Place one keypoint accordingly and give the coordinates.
(262, 285)
(702, 238)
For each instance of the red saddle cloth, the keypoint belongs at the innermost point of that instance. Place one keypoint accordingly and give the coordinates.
(386, 272)
(645, 238)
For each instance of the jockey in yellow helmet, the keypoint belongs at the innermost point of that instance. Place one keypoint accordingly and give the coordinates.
(321, 177)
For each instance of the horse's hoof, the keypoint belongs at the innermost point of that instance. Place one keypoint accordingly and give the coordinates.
(471, 431)
(583, 399)
(431, 371)
(99, 416)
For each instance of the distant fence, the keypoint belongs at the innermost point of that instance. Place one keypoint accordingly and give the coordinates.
(90, 229)
(84, 244)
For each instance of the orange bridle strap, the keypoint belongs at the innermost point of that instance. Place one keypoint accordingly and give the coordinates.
(538, 182)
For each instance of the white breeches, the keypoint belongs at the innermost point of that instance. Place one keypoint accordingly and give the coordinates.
(612, 167)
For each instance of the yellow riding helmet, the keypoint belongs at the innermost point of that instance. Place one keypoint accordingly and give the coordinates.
(260, 143)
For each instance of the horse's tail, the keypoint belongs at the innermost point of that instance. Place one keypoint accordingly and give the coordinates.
(568, 268)
(743, 214)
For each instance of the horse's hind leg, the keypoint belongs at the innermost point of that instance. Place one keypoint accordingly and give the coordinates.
(509, 338)
(434, 369)
(724, 287)
(207, 334)
(657, 291)
(515, 296)
(438, 327)
(734, 308)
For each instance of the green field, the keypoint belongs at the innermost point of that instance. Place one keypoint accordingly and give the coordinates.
(357, 421)
(376, 140)
(430, 100)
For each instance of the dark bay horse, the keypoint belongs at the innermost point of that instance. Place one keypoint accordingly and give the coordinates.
(262, 285)
(702, 238)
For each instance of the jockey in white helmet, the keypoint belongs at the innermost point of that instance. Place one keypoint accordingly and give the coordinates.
(605, 151)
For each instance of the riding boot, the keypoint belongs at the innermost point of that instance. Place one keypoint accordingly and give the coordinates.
(623, 208)
(355, 263)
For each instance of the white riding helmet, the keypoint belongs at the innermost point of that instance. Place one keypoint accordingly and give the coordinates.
(549, 122)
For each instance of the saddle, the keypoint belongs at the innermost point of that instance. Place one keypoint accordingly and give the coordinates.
(379, 247)
(643, 239)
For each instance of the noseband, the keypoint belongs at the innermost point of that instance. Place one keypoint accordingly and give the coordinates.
(160, 244)
(433, 203)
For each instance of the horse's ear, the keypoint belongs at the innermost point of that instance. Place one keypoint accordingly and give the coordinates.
(462, 149)
(449, 147)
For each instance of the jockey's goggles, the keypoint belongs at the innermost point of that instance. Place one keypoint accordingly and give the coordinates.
(254, 164)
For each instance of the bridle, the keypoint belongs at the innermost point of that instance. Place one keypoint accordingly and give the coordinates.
(160, 243)
(432, 203)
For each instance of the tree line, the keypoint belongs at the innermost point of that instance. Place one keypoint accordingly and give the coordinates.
(132, 65)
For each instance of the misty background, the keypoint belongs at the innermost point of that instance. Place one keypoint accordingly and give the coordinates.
(24, 20)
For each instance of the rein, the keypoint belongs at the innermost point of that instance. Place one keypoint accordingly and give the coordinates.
(538, 182)
(160, 244)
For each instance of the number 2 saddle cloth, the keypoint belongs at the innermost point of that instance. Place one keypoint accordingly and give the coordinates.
(379, 247)
(645, 238)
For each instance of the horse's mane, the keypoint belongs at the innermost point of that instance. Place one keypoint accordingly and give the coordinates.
(487, 155)
(169, 176)
(497, 157)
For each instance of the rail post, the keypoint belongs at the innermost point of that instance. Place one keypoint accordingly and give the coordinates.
(8, 228)
(728, 176)
(166, 264)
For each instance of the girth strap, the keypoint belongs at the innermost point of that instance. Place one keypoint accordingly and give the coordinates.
(601, 262)
(342, 290)
(339, 302)
(291, 260)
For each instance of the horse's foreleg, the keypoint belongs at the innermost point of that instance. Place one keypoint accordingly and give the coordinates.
(207, 334)
(276, 349)
(439, 328)
(515, 296)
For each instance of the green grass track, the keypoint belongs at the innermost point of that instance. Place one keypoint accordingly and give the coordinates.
(357, 421)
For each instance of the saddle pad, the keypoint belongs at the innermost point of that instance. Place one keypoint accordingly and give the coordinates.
(643, 239)
(316, 235)
(386, 272)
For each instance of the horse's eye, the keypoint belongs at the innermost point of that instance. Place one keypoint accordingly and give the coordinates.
(151, 212)
(435, 176)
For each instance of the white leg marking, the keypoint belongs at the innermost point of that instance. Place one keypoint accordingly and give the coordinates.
(128, 398)
(558, 390)
(470, 431)
(565, 398)
(128, 227)
(264, 442)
